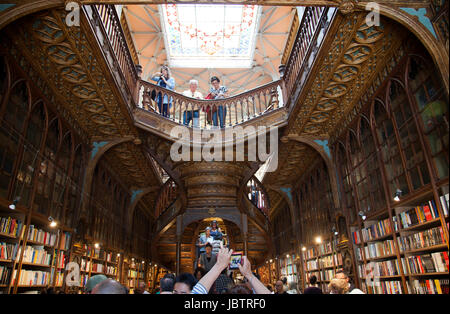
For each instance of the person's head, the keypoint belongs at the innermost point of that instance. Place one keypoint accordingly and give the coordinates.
(279, 286)
(284, 280)
(169, 275)
(140, 288)
(193, 84)
(199, 272)
(94, 281)
(208, 248)
(342, 275)
(338, 286)
(292, 286)
(184, 283)
(208, 232)
(109, 286)
(240, 289)
(214, 224)
(165, 71)
(215, 82)
(313, 280)
(166, 284)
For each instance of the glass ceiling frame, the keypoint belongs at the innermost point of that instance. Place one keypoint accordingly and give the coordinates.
(211, 54)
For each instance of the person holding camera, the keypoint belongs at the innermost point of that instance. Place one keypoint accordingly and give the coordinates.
(163, 79)
(223, 260)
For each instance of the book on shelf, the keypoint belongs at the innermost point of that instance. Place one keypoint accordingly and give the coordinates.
(326, 261)
(11, 226)
(429, 263)
(419, 214)
(97, 268)
(376, 250)
(5, 274)
(325, 248)
(311, 253)
(423, 239)
(31, 277)
(8, 251)
(64, 243)
(380, 269)
(429, 286)
(445, 203)
(41, 236)
(374, 231)
(386, 287)
(35, 255)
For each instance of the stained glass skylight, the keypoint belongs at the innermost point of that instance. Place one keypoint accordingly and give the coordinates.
(210, 36)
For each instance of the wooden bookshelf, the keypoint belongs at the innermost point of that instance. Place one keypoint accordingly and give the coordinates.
(327, 259)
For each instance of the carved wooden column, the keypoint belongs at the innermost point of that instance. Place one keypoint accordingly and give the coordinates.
(178, 247)
(245, 233)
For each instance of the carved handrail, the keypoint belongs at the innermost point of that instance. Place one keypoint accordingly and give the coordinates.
(116, 37)
(239, 108)
(257, 195)
(166, 197)
(307, 34)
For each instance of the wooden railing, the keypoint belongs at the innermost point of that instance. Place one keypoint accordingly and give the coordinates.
(306, 36)
(117, 40)
(235, 110)
(166, 197)
(257, 195)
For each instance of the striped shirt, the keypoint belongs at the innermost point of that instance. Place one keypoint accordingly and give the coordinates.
(199, 289)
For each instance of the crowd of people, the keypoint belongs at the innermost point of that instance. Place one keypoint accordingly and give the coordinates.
(212, 275)
(215, 115)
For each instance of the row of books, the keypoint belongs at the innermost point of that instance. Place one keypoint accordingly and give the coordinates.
(312, 264)
(310, 253)
(61, 260)
(41, 236)
(65, 241)
(132, 273)
(5, 273)
(36, 255)
(326, 261)
(325, 248)
(429, 286)
(376, 249)
(419, 215)
(385, 287)
(374, 270)
(428, 263)
(338, 259)
(8, 251)
(59, 279)
(111, 270)
(11, 226)
(420, 240)
(98, 268)
(326, 275)
(110, 257)
(32, 277)
(375, 231)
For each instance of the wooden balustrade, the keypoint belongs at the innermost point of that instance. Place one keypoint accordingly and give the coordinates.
(114, 32)
(166, 197)
(258, 196)
(236, 109)
(307, 33)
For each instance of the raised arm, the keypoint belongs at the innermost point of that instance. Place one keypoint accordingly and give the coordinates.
(246, 271)
(223, 259)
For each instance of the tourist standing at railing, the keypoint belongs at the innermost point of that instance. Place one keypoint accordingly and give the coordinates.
(192, 114)
(163, 79)
(218, 92)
